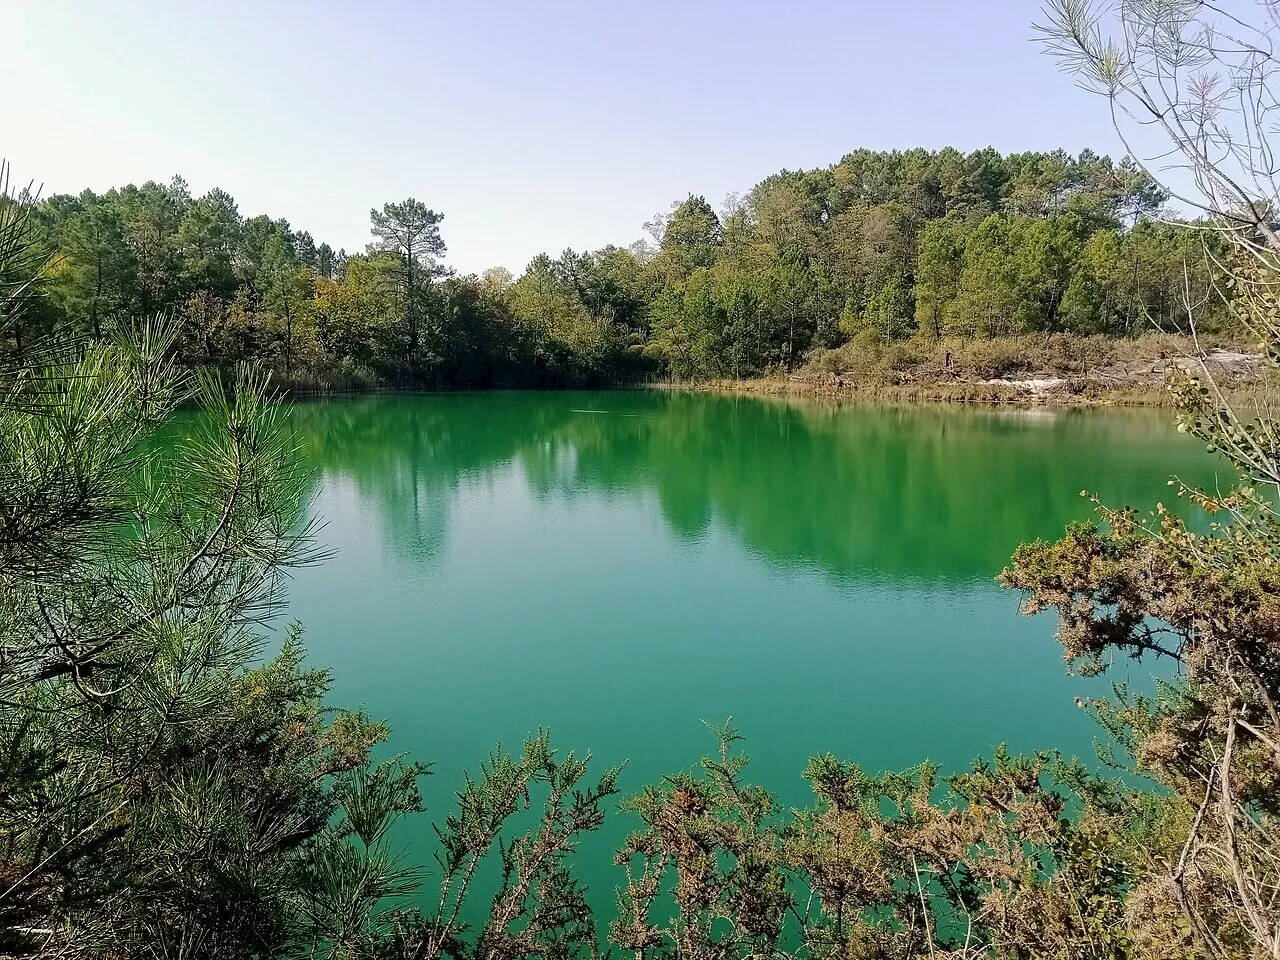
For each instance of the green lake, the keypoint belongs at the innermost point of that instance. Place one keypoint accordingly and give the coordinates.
(621, 567)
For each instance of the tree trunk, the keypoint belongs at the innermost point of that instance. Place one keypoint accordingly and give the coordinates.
(97, 296)
(410, 315)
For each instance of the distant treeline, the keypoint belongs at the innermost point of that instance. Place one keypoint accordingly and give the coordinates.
(880, 246)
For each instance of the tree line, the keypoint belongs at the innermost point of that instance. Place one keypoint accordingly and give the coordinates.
(881, 246)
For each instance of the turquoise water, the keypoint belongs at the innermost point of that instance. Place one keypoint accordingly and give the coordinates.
(621, 567)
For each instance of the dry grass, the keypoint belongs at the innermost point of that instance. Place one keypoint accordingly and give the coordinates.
(1061, 355)
(1058, 369)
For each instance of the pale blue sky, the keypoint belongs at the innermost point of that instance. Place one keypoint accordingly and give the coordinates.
(532, 125)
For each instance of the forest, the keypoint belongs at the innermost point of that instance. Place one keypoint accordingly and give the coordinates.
(881, 246)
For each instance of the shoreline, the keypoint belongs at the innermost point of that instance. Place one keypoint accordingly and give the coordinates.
(1021, 373)
(959, 393)
(1248, 394)
(1250, 391)
(1244, 379)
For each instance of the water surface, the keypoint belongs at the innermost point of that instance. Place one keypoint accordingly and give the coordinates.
(622, 567)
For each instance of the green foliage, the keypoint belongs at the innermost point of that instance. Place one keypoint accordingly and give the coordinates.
(409, 233)
(906, 243)
(939, 244)
(938, 269)
(160, 786)
(691, 237)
